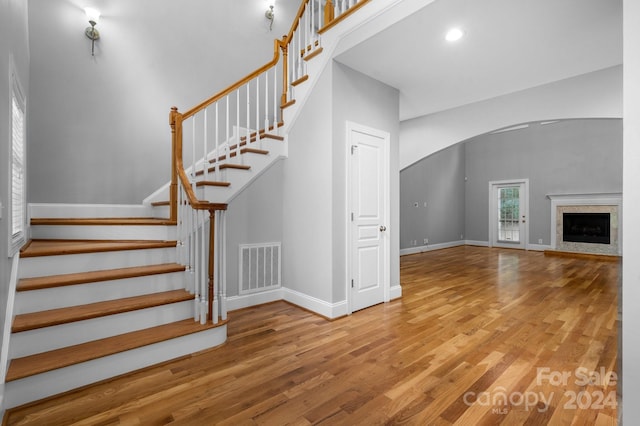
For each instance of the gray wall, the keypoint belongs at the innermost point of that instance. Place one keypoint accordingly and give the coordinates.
(314, 180)
(570, 156)
(98, 125)
(365, 101)
(14, 41)
(438, 182)
(254, 216)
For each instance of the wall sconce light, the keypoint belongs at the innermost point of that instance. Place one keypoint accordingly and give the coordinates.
(93, 15)
(270, 15)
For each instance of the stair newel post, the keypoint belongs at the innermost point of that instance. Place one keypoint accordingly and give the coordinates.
(284, 45)
(212, 240)
(328, 12)
(175, 121)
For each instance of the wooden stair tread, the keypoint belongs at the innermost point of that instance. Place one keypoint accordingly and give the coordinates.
(313, 54)
(234, 166)
(300, 80)
(35, 320)
(235, 154)
(38, 283)
(160, 203)
(39, 363)
(288, 104)
(37, 248)
(212, 183)
(133, 221)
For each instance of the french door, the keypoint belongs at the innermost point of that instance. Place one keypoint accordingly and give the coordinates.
(508, 213)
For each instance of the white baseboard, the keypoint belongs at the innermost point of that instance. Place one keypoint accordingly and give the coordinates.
(320, 307)
(395, 292)
(430, 247)
(538, 247)
(247, 300)
(476, 243)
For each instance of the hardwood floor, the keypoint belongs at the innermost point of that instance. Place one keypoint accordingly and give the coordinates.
(474, 325)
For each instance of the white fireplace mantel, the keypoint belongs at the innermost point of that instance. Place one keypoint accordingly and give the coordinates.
(586, 199)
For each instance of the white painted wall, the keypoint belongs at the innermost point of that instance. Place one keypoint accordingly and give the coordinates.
(594, 95)
(99, 128)
(631, 206)
(253, 217)
(14, 47)
(365, 101)
(307, 261)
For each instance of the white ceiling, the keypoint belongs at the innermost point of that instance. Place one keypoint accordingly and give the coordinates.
(509, 45)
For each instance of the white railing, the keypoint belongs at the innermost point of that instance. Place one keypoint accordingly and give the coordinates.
(212, 136)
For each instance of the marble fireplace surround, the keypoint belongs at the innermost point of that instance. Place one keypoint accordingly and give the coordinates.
(587, 203)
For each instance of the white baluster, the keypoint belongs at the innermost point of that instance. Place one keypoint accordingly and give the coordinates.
(203, 270)
(275, 100)
(217, 155)
(248, 127)
(193, 152)
(237, 123)
(227, 123)
(258, 109)
(223, 281)
(193, 259)
(205, 162)
(266, 101)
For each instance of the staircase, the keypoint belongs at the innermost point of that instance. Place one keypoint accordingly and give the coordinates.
(96, 298)
(106, 290)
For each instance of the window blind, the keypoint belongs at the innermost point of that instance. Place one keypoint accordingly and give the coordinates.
(17, 170)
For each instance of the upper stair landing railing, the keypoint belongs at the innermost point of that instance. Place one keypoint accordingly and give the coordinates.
(210, 138)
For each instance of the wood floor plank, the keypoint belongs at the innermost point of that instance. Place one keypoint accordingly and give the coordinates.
(472, 321)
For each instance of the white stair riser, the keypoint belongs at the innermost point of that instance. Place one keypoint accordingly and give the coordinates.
(161, 211)
(100, 232)
(51, 210)
(82, 294)
(30, 389)
(59, 336)
(85, 262)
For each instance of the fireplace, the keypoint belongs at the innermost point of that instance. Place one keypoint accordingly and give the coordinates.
(586, 223)
(592, 228)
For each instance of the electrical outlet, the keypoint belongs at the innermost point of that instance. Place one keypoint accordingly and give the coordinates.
(414, 242)
(462, 236)
(426, 241)
(539, 240)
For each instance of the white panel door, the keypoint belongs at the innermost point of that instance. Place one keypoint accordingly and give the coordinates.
(368, 224)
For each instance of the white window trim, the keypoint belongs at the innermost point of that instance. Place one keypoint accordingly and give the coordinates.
(18, 239)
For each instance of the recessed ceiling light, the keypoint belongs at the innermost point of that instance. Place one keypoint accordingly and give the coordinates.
(454, 34)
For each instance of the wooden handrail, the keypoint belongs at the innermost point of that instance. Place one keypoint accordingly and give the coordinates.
(276, 56)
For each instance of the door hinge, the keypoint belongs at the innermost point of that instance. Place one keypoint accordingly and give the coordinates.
(353, 148)
(351, 283)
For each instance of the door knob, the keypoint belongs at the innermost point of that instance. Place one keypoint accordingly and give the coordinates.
(383, 228)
